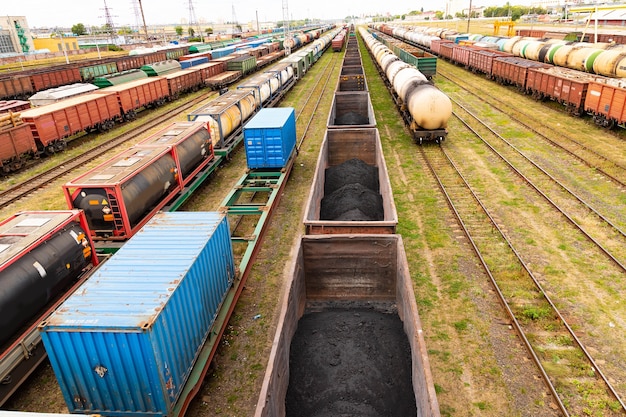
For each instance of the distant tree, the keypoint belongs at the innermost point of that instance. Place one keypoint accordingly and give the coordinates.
(208, 31)
(191, 32)
(79, 29)
(439, 15)
(125, 30)
(179, 30)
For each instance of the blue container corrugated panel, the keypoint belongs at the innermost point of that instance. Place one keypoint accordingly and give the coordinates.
(222, 52)
(270, 137)
(126, 341)
(194, 61)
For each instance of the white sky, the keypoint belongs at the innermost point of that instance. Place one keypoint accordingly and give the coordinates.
(65, 13)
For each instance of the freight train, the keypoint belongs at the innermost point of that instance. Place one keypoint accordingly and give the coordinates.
(423, 106)
(120, 196)
(189, 261)
(584, 77)
(51, 125)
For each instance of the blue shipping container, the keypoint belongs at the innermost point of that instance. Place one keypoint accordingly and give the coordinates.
(126, 341)
(270, 137)
(193, 61)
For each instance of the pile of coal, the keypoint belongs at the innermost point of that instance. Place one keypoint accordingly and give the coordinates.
(351, 193)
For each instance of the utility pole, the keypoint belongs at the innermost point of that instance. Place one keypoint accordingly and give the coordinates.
(234, 19)
(192, 20)
(109, 21)
(286, 24)
(143, 19)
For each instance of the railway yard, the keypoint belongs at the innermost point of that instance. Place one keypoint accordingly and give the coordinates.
(514, 228)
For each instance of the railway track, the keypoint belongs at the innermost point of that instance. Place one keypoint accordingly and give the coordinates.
(596, 156)
(575, 381)
(604, 233)
(40, 180)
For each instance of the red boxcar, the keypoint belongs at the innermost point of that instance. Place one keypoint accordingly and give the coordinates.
(133, 95)
(16, 86)
(563, 85)
(446, 49)
(514, 70)
(13, 106)
(52, 123)
(435, 46)
(183, 81)
(16, 145)
(210, 69)
(606, 102)
(481, 60)
(55, 77)
(196, 55)
(460, 54)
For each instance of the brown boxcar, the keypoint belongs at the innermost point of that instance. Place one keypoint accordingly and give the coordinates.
(129, 62)
(460, 54)
(16, 144)
(52, 123)
(339, 146)
(55, 77)
(446, 49)
(348, 271)
(481, 60)
(435, 47)
(563, 85)
(514, 70)
(17, 86)
(139, 93)
(606, 102)
(13, 106)
(183, 81)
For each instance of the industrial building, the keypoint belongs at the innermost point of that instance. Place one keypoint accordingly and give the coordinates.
(15, 36)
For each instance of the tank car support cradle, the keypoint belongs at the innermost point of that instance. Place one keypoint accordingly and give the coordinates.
(262, 182)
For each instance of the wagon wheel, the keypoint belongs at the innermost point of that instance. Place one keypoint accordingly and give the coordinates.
(60, 146)
(15, 165)
(50, 150)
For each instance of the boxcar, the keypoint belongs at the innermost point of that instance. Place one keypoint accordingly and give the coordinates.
(350, 273)
(146, 92)
(55, 77)
(13, 106)
(16, 145)
(514, 70)
(339, 146)
(481, 60)
(563, 85)
(16, 86)
(183, 81)
(53, 123)
(606, 102)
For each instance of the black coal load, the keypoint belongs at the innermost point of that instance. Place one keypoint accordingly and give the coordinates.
(351, 193)
(351, 171)
(352, 118)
